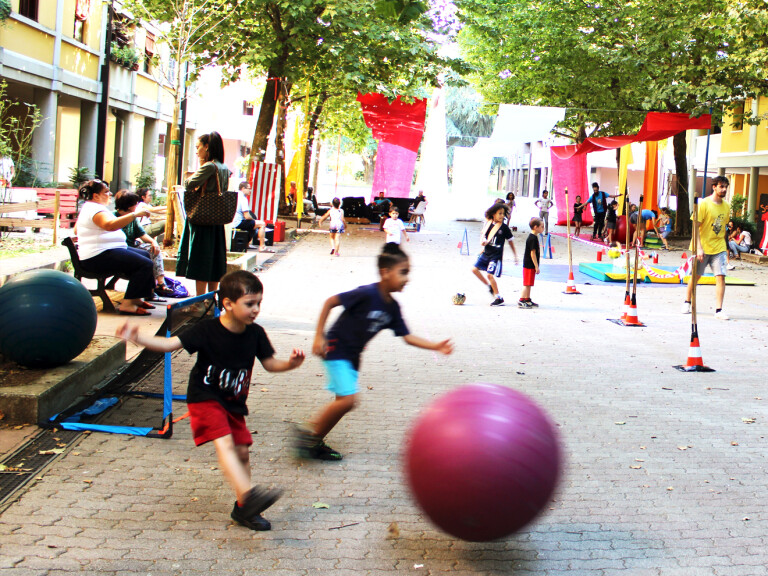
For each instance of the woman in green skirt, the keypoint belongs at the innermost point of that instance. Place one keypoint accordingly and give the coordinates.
(203, 251)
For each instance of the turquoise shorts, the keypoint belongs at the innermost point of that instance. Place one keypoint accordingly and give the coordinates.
(342, 377)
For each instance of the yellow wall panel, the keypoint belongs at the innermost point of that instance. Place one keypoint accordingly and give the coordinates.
(762, 128)
(79, 61)
(26, 40)
(67, 142)
(146, 88)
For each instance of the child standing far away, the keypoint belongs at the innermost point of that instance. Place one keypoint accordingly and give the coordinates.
(577, 210)
(494, 233)
(218, 385)
(367, 311)
(544, 204)
(610, 222)
(336, 225)
(531, 263)
(394, 227)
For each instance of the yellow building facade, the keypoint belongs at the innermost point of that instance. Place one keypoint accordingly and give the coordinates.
(744, 157)
(52, 54)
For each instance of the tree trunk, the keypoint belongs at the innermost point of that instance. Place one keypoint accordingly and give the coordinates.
(311, 135)
(266, 117)
(280, 142)
(683, 218)
(318, 153)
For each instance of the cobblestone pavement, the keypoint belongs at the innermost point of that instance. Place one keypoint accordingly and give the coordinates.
(665, 471)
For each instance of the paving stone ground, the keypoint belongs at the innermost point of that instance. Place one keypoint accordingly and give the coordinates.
(663, 474)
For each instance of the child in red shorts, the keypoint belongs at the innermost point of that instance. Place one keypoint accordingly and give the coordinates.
(531, 263)
(218, 385)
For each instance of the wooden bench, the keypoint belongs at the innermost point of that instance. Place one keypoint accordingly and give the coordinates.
(67, 204)
(105, 281)
(51, 205)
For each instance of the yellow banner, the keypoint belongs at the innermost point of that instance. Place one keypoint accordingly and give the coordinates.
(625, 159)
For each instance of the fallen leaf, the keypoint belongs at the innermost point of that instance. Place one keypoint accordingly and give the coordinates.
(3, 467)
(195, 499)
(88, 481)
(619, 423)
(75, 453)
(642, 447)
(320, 505)
(682, 447)
(265, 390)
(639, 460)
(393, 530)
(670, 488)
(418, 565)
(748, 420)
(51, 451)
(746, 518)
(734, 443)
(370, 387)
(636, 467)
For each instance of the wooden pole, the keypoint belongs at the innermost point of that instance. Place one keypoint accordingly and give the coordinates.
(56, 204)
(568, 230)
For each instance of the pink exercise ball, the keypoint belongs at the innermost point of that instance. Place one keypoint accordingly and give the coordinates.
(482, 461)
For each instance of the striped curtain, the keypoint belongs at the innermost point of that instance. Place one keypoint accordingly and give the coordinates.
(265, 183)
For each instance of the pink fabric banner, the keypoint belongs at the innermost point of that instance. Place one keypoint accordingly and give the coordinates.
(394, 122)
(393, 173)
(657, 126)
(570, 172)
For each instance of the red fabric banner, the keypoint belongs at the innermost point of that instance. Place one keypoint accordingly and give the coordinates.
(265, 185)
(396, 122)
(657, 126)
(393, 173)
(570, 172)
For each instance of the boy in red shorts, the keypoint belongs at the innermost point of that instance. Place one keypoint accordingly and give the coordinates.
(530, 263)
(218, 385)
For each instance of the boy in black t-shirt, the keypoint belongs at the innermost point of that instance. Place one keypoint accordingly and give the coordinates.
(531, 263)
(490, 260)
(218, 385)
(367, 311)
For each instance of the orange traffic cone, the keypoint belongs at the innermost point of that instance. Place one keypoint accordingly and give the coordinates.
(694, 363)
(631, 318)
(627, 303)
(571, 286)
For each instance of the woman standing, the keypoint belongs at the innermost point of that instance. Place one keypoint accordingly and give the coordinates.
(203, 250)
(102, 247)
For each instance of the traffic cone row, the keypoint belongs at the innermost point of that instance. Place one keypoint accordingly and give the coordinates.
(570, 287)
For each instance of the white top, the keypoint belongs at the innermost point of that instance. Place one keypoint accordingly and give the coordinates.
(93, 240)
(394, 227)
(242, 208)
(144, 220)
(335, 218)
(745, 239)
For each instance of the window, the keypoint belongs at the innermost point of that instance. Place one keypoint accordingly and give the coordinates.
(247, 108)
(161, 145)
(524, 187)
(29, 8)
(536, 182)
(79, 31)
(149, 51)
(738, 118)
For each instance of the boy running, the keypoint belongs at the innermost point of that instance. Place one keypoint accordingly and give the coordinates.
(490, 260)
(218, 385)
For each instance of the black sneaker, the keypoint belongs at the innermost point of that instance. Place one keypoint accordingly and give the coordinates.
(257, 500)
(498, 302)
(523, 304)
(257, 522)
(533, 304)
(310, 447)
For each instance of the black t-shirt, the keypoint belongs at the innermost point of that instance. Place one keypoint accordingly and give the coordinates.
(366, 313)
(495, 248)
(531, 244)
(577, 210)
(224, 362)
(610, 216)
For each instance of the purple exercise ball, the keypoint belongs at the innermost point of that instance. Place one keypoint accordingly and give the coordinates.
(482, 461)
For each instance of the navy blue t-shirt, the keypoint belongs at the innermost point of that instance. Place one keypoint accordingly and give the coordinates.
(224, 362)
(495, 247)
(366, 313)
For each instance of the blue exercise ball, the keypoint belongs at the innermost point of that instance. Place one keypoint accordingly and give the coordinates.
(47, 318)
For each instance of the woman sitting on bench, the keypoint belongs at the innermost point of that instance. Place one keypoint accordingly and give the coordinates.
(103, 250)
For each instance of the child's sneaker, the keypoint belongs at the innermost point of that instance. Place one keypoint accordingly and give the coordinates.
(498, 302)
(310, 447)
(524, 304)
(685, 308)
(533, 304)
(257, 522)
(332, 251)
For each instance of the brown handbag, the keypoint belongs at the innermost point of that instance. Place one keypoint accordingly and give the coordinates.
(210, 208)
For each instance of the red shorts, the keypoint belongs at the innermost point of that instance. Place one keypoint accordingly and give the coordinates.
(529, 275)
(210, 420)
